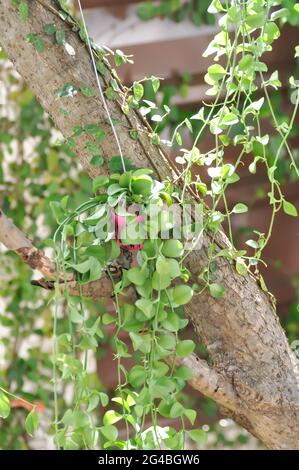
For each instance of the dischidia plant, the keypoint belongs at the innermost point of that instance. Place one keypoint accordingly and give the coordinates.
(148, 277)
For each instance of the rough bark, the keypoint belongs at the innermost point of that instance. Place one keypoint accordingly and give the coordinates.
(248, 349)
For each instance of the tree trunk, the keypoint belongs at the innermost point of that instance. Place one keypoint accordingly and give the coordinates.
(255, 376)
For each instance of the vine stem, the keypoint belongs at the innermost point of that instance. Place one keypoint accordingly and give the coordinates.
(100, 88)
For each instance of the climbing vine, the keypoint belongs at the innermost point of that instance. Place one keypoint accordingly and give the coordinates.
(110, 236)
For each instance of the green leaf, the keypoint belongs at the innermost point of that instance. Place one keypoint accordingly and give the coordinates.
(172, 248)
(4, 405)
(23, 10)
(104, 398)
(240, 208)
(182, 294)
(176, 410)
(198, 435)
(216, 72)
(289, 209)
(141, 342)
(110, 432)
(87, 91)
(271, 32)
(172, 322)
(138, 91)
(75, 316)
(256, 20)
(155, 83)
(93, 402)
(31, 423)
(216, 290)
(241, 267)
(97, 161)
(167, 341)
(60, 37)
(185, 347)
(191, 415)
(108, 319)
(137, 376)
(142, 185)
(99, 182)
(161, 281)
(37, 42)
(49, 29)
(111, 417)
(297, 51)
(229, 119)
(137, 276)
(68, 90)
(146, 306)
(115, 164)
(246, 62)
(253, 244)
(88, 342)
(83, 267)
(184, 373)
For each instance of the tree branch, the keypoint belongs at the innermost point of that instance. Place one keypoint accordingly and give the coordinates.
(13, 239)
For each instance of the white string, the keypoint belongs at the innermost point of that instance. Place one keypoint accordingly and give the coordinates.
(100, 89)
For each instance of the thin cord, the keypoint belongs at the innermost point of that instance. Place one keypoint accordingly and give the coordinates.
(100, 89)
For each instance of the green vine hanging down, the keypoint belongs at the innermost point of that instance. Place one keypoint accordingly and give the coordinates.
(154, 319)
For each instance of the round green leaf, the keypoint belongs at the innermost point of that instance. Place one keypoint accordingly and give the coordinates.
(185, 347)
(182, 294)
(172, 248)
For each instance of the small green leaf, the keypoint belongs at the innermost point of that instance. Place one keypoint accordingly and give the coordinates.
(155, 83)
(191, 415)
(289, 208)
(198, 435)
(115, 164)
(172, 248)
(161, 281)
(97, 161)
(50, 29)
(4, 405)
(137, 276)
(37, 42)
(137, 376)
(240, 208)
(253, 244)
(138, 91)
(23, 10)
(146, 306)
(111, 417)
(182, 294)
(31, 423)
(184, 373)
(68, 90)
(110, 432)
(99, 182)
(93, 402)
(216, 290)
(142, 185)
(141, 342)
(60, 37)
(185, 347)
(216, 72)
(241, 267)
(87, 91)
